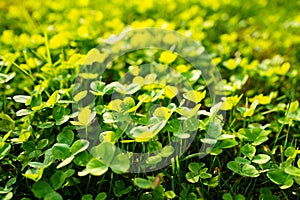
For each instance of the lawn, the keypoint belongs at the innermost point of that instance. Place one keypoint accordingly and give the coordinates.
(185, 99)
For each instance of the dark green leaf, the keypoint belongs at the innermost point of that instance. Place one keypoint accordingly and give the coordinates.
(4, 149)
(248, 150)
(234, 166)
(82, 158)
(10, 182)
(47, 125)
(104, 151)
(192, 177)
(53, 196)
(79, 146)
(28, 146)
(249, 170)
(166, 151)
(142, 183)
(94, 167)
(101, 196)
(65, 137)
(289, 152)
(242, 160)
(42, 143)
(87, 197)
(228, 143)
(41, 189)
(57, 180)
(120, 163)
(61, 151)
(6, 123)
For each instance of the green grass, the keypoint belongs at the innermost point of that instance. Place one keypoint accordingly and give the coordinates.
(56, 98)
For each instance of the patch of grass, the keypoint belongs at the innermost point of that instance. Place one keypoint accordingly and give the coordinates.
(71, 128)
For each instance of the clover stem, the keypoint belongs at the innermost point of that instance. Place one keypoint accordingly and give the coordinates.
(280, 130)
(281, 154)
(88, 185)
(178, 168)
(287, 135)
(230, 116)
(86, 132)
(100, 184)
(285, 195)
(101, 100)
(4, 101)
(173, 171)
(110, 184)
(48, 49)
(248, 186)
(244, 122)
(277, 135)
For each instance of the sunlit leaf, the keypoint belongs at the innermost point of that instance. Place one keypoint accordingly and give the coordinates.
(80, 95)
(250, 111)
(86, 116)
(53, 99)
(187, 112)
(94, 55)
(163, 112)
(138, 80)
(34, 174)
(264, 100)
(170, 91)
(167, 57)
(170, 194)
(4, 78)
(21, 98)
(230, 64)
(294, 171)
(89, 75)
(230, 102)
(183, 68)
(115, 105)
(283, 69)
(293, 106)
(134, 70)
(47, 125)
(23, 112)
(141, 133)
(195, 96)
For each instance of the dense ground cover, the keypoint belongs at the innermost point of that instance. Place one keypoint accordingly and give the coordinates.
(50, 147)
